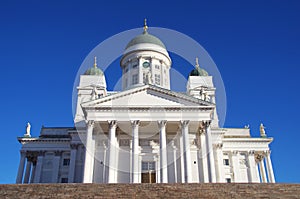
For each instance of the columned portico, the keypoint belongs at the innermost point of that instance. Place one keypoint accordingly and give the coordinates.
(163, 151)
(89, 154)
(135, 151)
(112, 151)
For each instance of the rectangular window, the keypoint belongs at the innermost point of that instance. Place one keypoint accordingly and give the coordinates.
(144, 78)
(66, 162)
(228, 180)
(157, 66)
(134, 79)
(157, 79)
(64, 180)
(148, 166)
(226, 162)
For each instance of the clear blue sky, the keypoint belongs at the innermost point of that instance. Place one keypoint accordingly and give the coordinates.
(255, 45)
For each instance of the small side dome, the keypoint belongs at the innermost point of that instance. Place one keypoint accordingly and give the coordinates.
(197, 71)
(94, 70)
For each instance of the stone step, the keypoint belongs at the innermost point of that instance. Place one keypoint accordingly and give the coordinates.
(218, 190)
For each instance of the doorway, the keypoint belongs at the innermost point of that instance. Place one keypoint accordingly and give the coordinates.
(148, 172)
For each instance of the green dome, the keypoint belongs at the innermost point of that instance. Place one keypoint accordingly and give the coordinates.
(198, 72)
(145, 38)
(94, 70)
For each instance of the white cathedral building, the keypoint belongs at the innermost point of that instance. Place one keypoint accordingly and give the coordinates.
(145, 133)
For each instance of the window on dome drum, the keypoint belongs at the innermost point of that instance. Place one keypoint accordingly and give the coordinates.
(228, 180)
(157, 79)
(126, 69)
(157, 66)
(64, 180)
(135, 66)
(66, 162)
(226, 162)
(134, 79)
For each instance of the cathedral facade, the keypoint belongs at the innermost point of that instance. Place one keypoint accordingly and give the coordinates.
(145, 133)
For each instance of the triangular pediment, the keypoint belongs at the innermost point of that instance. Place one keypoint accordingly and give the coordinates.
(147, 96)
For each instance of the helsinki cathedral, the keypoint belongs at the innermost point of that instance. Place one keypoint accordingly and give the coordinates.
(145, 133)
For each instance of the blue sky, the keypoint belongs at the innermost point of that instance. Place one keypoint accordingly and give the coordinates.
(255, 45)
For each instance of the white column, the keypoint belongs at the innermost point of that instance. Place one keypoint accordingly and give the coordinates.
(112, 151)
(219, 153)
(211, 161)
(72, 163)
(175, 161)
(203, 157)
(56, 164)
(252, 167)
(182, 169)
(21, 167)
(38, 171)
(28, 169)
(163, 151)
(235, 165)
(89, 154)
(187, 150)
(262, 169)
(33, 171)
(135, 151)
(269, 167)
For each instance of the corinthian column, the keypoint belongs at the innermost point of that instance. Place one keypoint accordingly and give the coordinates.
(252, 167)
(112, 151)
(269, 167)
(210, 153)
(187, 151)
(89, 154)
(21, 167)
(135, 151)
(163, 151)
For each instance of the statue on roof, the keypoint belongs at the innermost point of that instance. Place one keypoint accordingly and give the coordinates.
(28, 127)
(262, 130)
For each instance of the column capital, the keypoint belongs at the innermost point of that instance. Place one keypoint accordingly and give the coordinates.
(259, 157)
(235, 152)
(90, 123)
(218, 146)
(251, 152)
(73, 146)
(184, 123)
(135, 123)
(57, 153)
(268, 152)
(162, 123)
(112, 123)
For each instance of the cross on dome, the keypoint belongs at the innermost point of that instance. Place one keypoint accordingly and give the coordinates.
(145, 26)
(95, 62)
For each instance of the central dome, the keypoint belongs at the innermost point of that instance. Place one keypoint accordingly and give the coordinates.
(145, 38)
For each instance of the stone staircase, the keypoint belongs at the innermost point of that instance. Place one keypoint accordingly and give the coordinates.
(230, 190)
